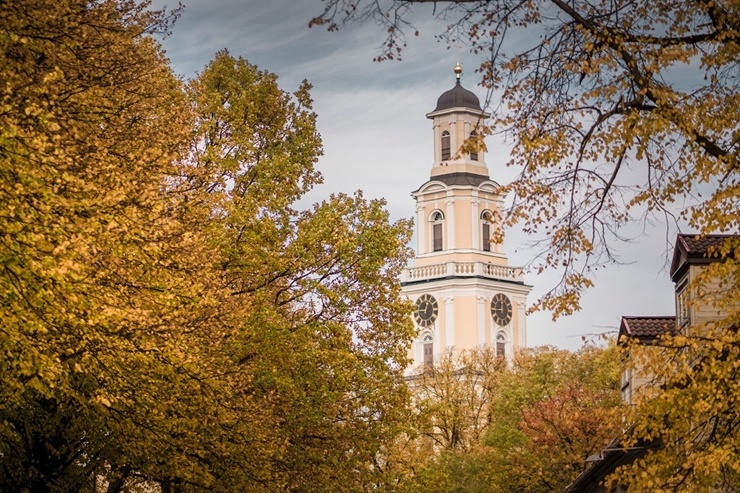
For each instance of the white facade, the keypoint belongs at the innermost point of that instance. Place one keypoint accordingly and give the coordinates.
(467, 295)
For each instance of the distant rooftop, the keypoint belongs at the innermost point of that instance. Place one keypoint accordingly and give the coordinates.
(695, 249)
(695, 244)
(470, 179)
(646, 329)
(458, 97)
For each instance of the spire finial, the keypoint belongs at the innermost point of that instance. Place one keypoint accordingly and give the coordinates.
(458, 68)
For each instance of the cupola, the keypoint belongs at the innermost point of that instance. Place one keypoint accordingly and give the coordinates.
(456, 118)
(458, 96)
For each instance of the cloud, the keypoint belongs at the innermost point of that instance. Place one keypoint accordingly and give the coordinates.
(376, 136)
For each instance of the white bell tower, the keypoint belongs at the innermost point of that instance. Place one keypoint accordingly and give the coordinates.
(466, 294)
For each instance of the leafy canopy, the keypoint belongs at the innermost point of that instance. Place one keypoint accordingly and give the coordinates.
(525, 427)
(617, 111)
(169, 315)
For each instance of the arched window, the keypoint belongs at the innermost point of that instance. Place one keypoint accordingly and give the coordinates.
(445, 145)
(486, 219)
(428, 344)
(437, 220)
(501, 345)
(474, 152)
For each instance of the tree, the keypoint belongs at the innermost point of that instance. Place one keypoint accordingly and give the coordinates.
(322, 329)
(455, 397)
(617, 111)
(525, 427)
(554, 409)
(90, 121)
(452, 401)
(169, 316)
(688, 409)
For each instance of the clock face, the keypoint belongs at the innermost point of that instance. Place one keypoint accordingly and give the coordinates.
(501, 309)
(426, 310)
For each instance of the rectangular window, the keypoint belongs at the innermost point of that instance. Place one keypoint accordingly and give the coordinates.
(437, 238)
(626, 391)
(501, 349)
(682, 308)
(486, 237)
(428, 354)
(445, 145)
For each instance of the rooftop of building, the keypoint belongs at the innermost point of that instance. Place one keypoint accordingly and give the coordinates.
(693, 249)
(646, 329)
(458, 96)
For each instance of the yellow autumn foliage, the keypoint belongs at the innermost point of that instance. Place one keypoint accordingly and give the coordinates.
(169, 319)
(618, 112)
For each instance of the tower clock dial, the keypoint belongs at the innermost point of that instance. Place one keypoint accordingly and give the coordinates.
(501, 309)
(426, 310)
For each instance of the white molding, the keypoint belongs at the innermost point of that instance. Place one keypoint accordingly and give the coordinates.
(522, 324)
(449, 225)
(481, 320)
(477, 243)
(449, 327)
(421, 230)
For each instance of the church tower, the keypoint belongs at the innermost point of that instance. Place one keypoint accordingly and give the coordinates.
(466, 294)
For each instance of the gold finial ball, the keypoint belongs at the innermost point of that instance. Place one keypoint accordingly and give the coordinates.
(458, 69)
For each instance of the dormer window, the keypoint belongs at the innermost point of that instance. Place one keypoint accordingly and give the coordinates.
(474, 152)
(445, 145)
(486, 218)
(437, 220)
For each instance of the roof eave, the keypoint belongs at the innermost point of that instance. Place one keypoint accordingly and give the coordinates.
(458, 109)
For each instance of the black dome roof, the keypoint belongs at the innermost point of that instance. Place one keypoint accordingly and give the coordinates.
(458, 97)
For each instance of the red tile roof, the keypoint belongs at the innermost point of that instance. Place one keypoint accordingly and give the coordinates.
(695, 249)
(700, 245)
(646, 329)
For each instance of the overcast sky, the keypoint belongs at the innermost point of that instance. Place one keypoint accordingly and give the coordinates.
(376, 137)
